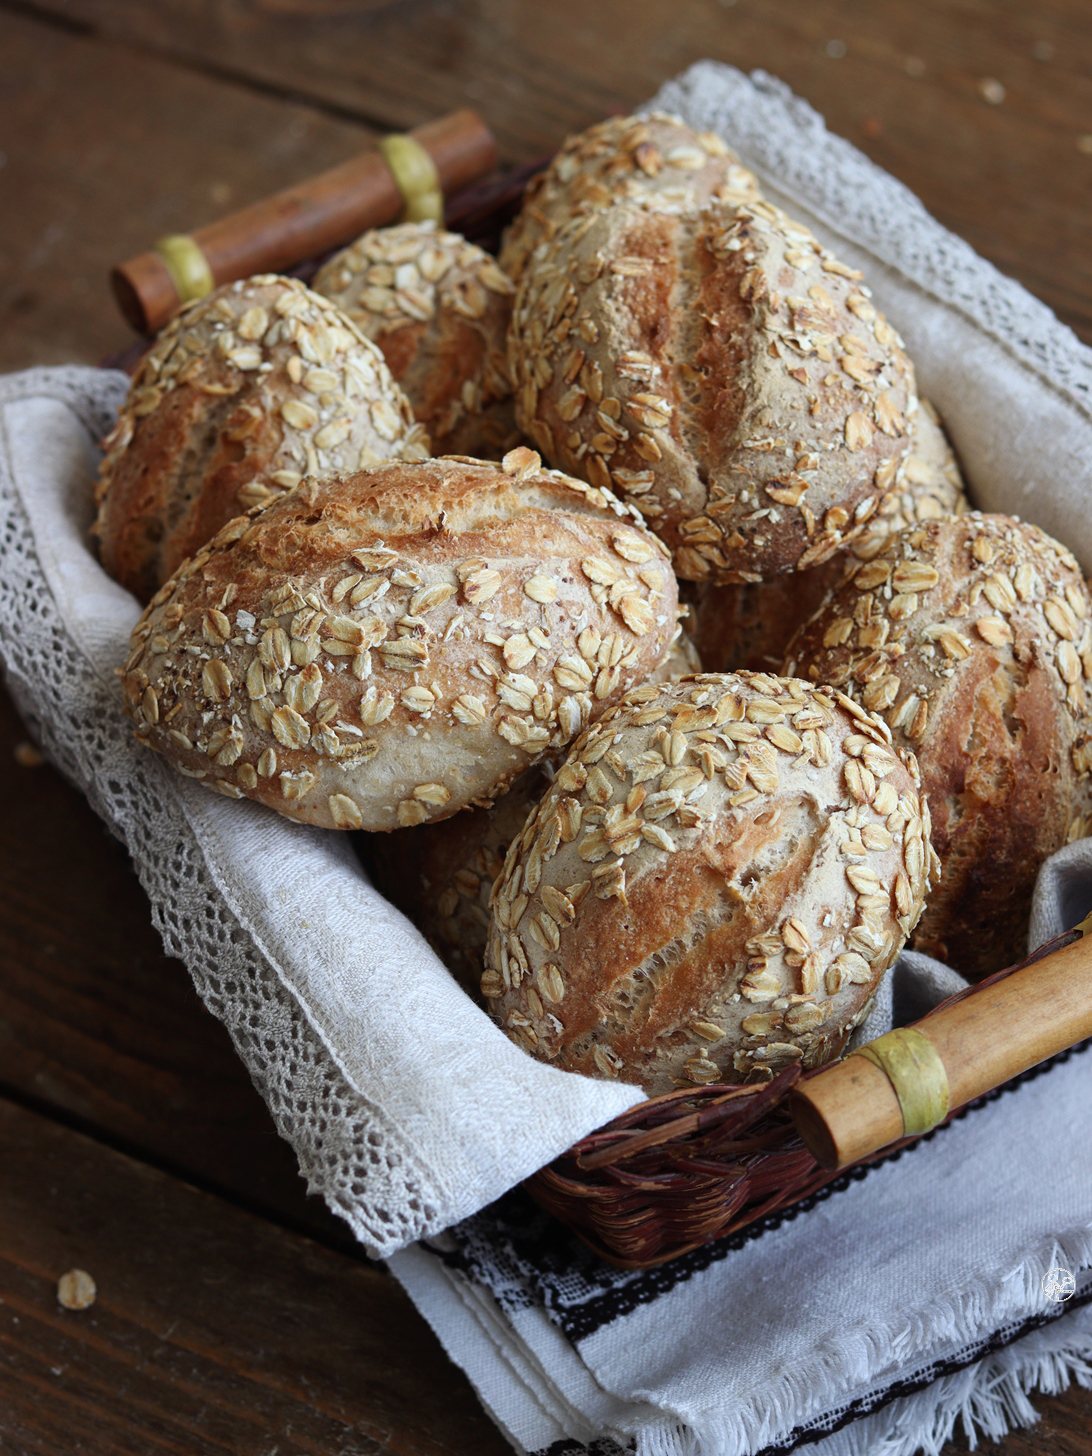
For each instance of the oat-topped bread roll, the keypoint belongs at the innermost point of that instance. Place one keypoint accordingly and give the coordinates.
(713, 886)
(722, 371)
(439, 308)
(441, 874)
(655, 161)
(388, 647)
(751, 625)
(972, 637)
(243, 394)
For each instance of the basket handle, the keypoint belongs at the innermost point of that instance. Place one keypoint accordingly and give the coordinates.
(910, 1080)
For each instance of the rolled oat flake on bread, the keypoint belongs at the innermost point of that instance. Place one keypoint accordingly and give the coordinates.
(713, 886)
(972, 637)
(722, 371)
(388, 647)
(243, 394)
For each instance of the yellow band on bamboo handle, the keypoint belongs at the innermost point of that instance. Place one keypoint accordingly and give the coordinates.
(416, 177)
(916, 1073)
(187, 265)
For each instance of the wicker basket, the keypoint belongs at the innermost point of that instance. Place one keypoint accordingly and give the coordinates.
(680, 1170)
(683, 1169)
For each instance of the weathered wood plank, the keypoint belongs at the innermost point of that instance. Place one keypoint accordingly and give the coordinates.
(97, 1024)
(213, 1331)
(901, 78)
(101, 152)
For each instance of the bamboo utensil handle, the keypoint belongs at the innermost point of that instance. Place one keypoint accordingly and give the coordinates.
(907, 1081)
(402, 176)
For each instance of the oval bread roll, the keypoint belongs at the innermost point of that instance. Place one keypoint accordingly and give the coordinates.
(722, 371)
(713, 886)
(654, 161)
(751, 626)
(439, 309)
(243, 393)
(973, 638)
(388, 647)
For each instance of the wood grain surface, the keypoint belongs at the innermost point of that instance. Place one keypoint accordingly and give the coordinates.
(121, 121)
(906, 80)
(213, 1331)
(104, 151)
(102, 1029)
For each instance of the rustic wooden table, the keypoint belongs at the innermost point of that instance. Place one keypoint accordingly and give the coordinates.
(234, 1314)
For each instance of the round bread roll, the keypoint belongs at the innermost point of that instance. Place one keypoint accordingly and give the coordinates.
(713, 886)
(243, 393)
(972, 636)
(750, 626)
(439, 309)
(388, 647)
(655, 161)
(441, 874)
(722, 371)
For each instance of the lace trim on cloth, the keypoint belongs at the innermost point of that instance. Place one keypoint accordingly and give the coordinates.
(347, 1151)
(786, 139)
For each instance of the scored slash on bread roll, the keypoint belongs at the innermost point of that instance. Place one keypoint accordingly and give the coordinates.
(750, 626)
(388, 647)
(242, 394)
(721, 370)
(654, 161)
(712, 887)
(973, 638)
(439, 309)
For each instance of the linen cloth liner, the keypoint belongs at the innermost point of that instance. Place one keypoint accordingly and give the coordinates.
(407, 1109)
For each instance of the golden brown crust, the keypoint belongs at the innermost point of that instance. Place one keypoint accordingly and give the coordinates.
(388, 647)
(439, 309)
(750, 626)
(722, 371)
(243, 394)
(654, 161)
(712, 887)
(973, 637)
